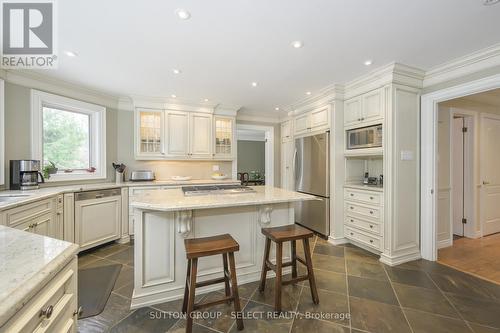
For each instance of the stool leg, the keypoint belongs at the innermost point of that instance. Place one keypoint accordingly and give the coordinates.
(186, 288)
(277, 288)
(294, 259)
(236, 297)
(310, 271)
(226, 279)
(263, 274)
(192, 290)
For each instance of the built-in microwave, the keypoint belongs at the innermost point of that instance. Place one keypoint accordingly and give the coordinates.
(365, 137)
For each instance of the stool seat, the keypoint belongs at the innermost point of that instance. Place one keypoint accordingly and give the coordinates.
(287, 233)
(209, 246)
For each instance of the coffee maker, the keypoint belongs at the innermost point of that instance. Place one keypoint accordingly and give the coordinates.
(25, 175)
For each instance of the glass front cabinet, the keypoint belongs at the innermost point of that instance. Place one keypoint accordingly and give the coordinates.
(224, 137)
(150, 130)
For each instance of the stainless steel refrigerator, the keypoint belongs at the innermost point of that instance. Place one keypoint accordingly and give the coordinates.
(311, 167)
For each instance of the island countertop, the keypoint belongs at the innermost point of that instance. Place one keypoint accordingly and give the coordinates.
(174, 199)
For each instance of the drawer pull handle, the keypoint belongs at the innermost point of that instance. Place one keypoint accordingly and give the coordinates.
(78, 312)
(371, 211)
(371, 240)
(47, 312)
(371, 226)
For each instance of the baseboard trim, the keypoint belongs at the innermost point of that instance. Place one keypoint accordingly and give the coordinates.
(398, 260)
(337, 241)
(444, 243)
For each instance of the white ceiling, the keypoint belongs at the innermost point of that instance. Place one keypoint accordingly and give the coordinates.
(130, 47)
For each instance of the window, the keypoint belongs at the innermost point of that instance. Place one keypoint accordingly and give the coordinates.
(68, 137)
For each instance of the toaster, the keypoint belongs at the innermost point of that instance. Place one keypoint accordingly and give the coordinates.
(142, 175)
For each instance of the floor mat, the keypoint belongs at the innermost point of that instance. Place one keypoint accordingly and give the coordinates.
(94, 287)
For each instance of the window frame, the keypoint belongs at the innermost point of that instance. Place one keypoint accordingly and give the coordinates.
(97, 139)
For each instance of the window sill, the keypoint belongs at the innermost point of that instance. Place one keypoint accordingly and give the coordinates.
(73, 177)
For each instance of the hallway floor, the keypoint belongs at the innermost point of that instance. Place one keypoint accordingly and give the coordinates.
(357, 294)
(480, 257)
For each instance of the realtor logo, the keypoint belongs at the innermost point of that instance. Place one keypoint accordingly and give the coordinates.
(28, 31)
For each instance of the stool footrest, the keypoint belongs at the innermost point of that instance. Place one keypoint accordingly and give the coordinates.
(272, 266)
(295, 280)
(212, 281)
(198, 306)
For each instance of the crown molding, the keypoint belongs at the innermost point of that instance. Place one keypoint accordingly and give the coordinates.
(34, 80)
(462, 66)
(326, 95)
(258, 118)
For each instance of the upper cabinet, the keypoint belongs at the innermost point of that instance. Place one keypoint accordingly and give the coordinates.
(224, 137)
(365, 109)
(182, 135)
(315, 120)
(286, 131)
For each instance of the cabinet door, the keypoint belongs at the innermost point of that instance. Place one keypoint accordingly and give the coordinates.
(45, 225)
(286, 131)
(224, 137)
(287, 154)
(352, 111)
(301, 123)
(320, 118)
(200, 129)
(27, 226)
(149, 131)
(177, 128)
(373, 106)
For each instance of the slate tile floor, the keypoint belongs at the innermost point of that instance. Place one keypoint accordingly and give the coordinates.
(357, 292)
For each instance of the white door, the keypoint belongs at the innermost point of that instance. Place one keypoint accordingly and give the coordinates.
(352, 111)
(457, 168)
(200, 135)
(373, 108)
(177, 127)
(490, 166)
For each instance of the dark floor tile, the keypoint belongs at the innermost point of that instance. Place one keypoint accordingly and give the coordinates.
(106, 250)
(245, 290)
(328, 263)
(483, 329)
(380, 291)
(125, 291)
(125, 257)
(333, 306)
(424, 300)
(302, 324)
(329, 281)
(477, 310)
(410, 277)
(377, 317)
(366, 270)
(180, 327)
(115, 310)
(175, 305)
(145, 320)
(290, 295)
(422, 322)
(258, 319)
(125, 277)
(464, 284)
(87, 259)
(219, 317)
(329, 249)
(356, 253)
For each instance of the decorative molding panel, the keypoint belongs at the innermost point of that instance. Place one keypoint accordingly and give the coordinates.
(265, 214)
(184, 222)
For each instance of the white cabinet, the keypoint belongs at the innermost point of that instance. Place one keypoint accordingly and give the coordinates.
(177, 133)
(200, 134)
(286, 131)
(224, 137)
(149, 133)
(287, 155)
(315, 120)
(365, 109)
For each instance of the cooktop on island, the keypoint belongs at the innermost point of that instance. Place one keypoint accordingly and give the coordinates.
(216, 189)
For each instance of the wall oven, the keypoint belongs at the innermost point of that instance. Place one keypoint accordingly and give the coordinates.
(365, 137)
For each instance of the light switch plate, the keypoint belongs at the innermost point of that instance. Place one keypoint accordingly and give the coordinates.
(406, 155)
(215, 168)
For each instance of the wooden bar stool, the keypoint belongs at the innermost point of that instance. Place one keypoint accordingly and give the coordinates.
(288, 233)
(209, 246)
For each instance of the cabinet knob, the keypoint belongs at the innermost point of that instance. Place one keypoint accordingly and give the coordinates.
(78, 312)
(371, 226)
(47, 312)
(352, 220)
(58, 213)
(352, 207)
(352, 234)
(371, 211)
(371, 240)
(352, 194)
(371, 198)
(362, 118)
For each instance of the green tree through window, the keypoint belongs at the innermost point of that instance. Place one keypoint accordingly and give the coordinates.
(66, 139)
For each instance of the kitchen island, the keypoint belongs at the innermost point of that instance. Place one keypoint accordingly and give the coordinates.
(165, 218)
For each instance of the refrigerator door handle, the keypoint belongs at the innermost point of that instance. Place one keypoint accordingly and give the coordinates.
(294, 167)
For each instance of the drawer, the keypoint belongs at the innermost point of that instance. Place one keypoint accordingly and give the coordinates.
(28, 212)
(372, 227)
(366, 239)
(371, 212)
(362, 196)
(59, 295)
(137, 190)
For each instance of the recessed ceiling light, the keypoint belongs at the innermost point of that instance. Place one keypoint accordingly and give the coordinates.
(308, 93)
(176, 71)
(206, 99)
(368, 62)
(277, 108)
(173, 96)
(70, 53)
(182, 14)
(254, 84)
(297, 44)
(490, 2)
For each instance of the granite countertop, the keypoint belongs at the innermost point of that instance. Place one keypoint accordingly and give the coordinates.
(174, 199)
(24, 197)
(27, 262)
(357, 186)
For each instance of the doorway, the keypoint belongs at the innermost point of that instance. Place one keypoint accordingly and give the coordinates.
(255, 154)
